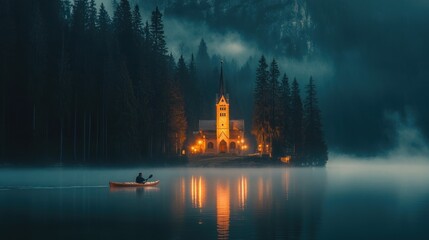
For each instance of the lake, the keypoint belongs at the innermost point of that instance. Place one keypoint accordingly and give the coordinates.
(355, 200)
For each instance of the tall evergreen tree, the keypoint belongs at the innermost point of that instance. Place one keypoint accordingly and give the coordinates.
(137, 25)
(205, 85)
(261, 109)
(296, 122)
(159, 45)
(103, 23)
(92, 16)
(315, 149)
(273, 110)
(192, 96)
(285, 113)
(177, 123)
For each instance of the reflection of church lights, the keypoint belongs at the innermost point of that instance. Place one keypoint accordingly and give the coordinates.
(222, 210)
(285, 181)
(198, 191)
(242, 192)
(183, 189)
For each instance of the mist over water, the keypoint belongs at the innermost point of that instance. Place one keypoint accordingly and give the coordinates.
(347, 199)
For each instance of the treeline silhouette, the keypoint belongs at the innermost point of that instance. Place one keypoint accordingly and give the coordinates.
(80, 85)
(282, 124)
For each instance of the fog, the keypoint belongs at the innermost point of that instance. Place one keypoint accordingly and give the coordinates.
(380, 62)
(370, 66)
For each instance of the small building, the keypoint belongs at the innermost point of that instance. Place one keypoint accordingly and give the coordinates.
(221, 135)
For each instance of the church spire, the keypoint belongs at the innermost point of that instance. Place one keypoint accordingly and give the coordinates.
(221, 85)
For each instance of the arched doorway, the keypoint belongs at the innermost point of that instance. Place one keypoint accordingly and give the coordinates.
(232, 146)
(222, 146)
(210, 145)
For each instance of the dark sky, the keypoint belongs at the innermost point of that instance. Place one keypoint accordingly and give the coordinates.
(380, 55)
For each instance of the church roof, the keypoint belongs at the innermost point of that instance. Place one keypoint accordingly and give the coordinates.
(207, 125)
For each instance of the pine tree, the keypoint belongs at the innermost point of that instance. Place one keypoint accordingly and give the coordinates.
(204, 84)
(296, 122)
(177, 123)
(192, 70)
(273, 101)
(157, 33)
(137, 24)
(91, 17)
(314, 145)
(182, 74)
(261, 109)
(103, 22)
(146, 35)
(192, 95)
(123, 26)
(285, 113)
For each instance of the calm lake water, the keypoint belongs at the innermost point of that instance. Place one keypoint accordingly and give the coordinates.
(341, 201)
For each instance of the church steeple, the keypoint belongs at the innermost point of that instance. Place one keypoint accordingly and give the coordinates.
(221, 85)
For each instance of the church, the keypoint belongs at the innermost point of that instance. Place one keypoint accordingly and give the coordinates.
(221, 135)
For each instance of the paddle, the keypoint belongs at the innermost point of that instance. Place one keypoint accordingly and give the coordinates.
(150, 176)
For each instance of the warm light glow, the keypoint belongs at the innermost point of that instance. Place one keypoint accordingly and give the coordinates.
(285, 181)
(198, 192)
(222, 210)
(200, 142)
(242, 192)
(285, 159)
(242, 141)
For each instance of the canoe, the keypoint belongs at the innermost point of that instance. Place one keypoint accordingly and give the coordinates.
(133, 184)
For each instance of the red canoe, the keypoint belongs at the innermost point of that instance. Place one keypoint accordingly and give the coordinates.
(133, 184)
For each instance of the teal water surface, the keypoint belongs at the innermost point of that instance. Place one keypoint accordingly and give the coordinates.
(341, 201)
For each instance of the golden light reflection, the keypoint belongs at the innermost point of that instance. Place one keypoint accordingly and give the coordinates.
(198, 192)
(222, 210)
(182, 190)
(285, 180)
(242, 192)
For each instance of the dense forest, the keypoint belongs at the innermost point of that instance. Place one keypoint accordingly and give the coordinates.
(80, 84)
(282, 124)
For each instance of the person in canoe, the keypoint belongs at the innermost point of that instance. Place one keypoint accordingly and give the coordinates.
(140, 179)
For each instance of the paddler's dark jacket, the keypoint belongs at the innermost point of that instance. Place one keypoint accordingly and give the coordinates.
(140, 179)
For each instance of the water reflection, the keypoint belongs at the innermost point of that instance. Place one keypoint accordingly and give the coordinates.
(138, 190)
(285, 182)
(191, 204)
(198, 192)
(242, 192)
(222, 209)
